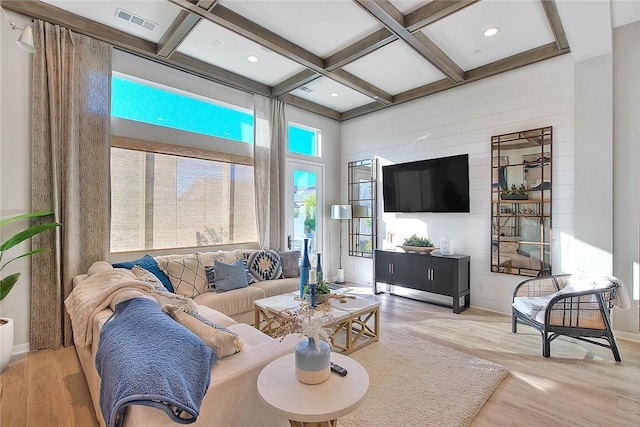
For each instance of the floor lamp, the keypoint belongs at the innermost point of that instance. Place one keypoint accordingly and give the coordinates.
(340, 212)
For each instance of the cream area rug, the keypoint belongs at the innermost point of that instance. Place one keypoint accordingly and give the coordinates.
(413, 382)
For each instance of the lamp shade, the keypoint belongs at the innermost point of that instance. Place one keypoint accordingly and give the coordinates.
(341, 212)
(360, 211)
(26, 40)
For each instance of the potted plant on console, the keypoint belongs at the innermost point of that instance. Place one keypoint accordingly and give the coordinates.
(515, 193)
(414, 243)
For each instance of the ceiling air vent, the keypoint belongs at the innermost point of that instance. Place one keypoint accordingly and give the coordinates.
(305, 89)
(134, 19)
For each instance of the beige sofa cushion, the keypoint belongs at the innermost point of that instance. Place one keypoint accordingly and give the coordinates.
(232, 302)
(278, 287)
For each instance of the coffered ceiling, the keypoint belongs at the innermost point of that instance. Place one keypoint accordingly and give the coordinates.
(338, 58)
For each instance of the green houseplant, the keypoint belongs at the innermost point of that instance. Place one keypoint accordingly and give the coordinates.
(7, 282)
(421, 242)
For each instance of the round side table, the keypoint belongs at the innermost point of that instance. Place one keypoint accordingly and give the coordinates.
(312, 405)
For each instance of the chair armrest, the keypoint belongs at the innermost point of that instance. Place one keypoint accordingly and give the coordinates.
(585, 309)
(537, 287)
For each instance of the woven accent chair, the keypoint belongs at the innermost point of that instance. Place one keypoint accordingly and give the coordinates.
(552, 307)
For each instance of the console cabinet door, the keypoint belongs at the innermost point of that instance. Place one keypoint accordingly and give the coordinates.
(383, 262)
(442, 275)
(393, 268)
(421, 273)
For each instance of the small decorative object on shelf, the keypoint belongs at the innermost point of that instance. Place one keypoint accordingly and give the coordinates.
(305, 266)
(312, 355)
(515, 193)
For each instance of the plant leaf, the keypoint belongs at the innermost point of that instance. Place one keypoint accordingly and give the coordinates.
(26, 234)
(25, 216)
(7, 283)
(35, 251)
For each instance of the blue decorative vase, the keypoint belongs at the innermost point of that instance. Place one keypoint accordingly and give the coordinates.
(312, 363)
(305, 266)
(319, 269)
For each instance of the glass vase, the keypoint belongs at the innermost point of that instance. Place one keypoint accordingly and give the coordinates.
(312, 362)
(305, 266)
(319, 269)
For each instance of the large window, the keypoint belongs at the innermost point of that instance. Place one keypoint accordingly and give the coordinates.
(162, 201)
(304, 140)
(166, 196)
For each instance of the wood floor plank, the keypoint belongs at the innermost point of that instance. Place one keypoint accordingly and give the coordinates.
(580, 385)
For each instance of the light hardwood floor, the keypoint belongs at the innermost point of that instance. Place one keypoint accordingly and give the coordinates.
(580, 385)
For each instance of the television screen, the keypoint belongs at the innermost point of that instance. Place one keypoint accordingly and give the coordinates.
(433, 185)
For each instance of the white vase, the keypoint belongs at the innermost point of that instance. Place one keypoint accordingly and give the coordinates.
(6, 341)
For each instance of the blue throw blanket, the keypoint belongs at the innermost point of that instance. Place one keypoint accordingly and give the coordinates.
(146, 358)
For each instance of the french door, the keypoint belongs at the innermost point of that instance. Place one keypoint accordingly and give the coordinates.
(304, 205)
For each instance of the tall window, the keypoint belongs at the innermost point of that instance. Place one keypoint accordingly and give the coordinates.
(165, 196)
(304, 140)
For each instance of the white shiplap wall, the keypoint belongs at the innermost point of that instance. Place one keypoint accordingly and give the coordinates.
(462, 120)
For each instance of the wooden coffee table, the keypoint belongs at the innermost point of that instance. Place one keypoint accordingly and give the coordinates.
(307, 405)
(356, 321)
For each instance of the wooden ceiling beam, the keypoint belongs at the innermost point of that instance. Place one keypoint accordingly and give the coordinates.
(294, 82)
(433, 11)
(240, 25)
(180, 29)
(310, 106)
(551, 10)
(359, 49)
(391, 18)
(515, 61)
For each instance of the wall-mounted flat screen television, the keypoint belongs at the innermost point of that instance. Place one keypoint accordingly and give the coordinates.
(432, 185)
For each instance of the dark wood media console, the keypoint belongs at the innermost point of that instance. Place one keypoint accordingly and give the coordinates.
(437, 274)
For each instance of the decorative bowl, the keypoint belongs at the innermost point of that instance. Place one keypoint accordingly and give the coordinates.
(320, 298)
(419, 249)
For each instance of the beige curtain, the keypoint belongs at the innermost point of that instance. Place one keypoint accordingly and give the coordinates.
(270, 134)
(70, 170)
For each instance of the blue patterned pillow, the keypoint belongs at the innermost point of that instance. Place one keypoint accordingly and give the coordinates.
(264, 265)
(228, 277)
(151, 265)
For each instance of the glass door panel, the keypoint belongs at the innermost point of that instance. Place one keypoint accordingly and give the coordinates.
(304, 206)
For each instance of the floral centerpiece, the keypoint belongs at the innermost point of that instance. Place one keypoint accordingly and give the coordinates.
(312, 356)
(305, 322)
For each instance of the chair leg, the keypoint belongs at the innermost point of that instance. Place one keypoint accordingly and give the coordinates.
(514, 324)
(614, 348)
(546, 345)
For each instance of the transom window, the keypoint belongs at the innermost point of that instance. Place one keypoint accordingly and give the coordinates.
(304, 140)
(152, 103)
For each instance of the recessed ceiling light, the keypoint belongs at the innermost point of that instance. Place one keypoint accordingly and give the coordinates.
(335, 94)
(252, 58)
(491, 31)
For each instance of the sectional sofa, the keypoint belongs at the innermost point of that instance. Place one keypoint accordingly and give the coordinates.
(231, 398)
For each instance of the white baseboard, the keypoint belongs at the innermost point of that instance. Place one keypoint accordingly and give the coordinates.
(626, 336)
(21, 348)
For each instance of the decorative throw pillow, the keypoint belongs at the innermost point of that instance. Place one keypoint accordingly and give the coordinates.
(290, 261)
(209, 258)
(264, 265)
(228, 277)
(216, 337)
(187, 276)
(211, 277)
(151, 265)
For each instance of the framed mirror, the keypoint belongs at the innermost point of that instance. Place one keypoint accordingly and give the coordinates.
(521, 178)
(362, 197)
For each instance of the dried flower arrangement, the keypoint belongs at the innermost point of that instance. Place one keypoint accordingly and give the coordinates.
(306, 321)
